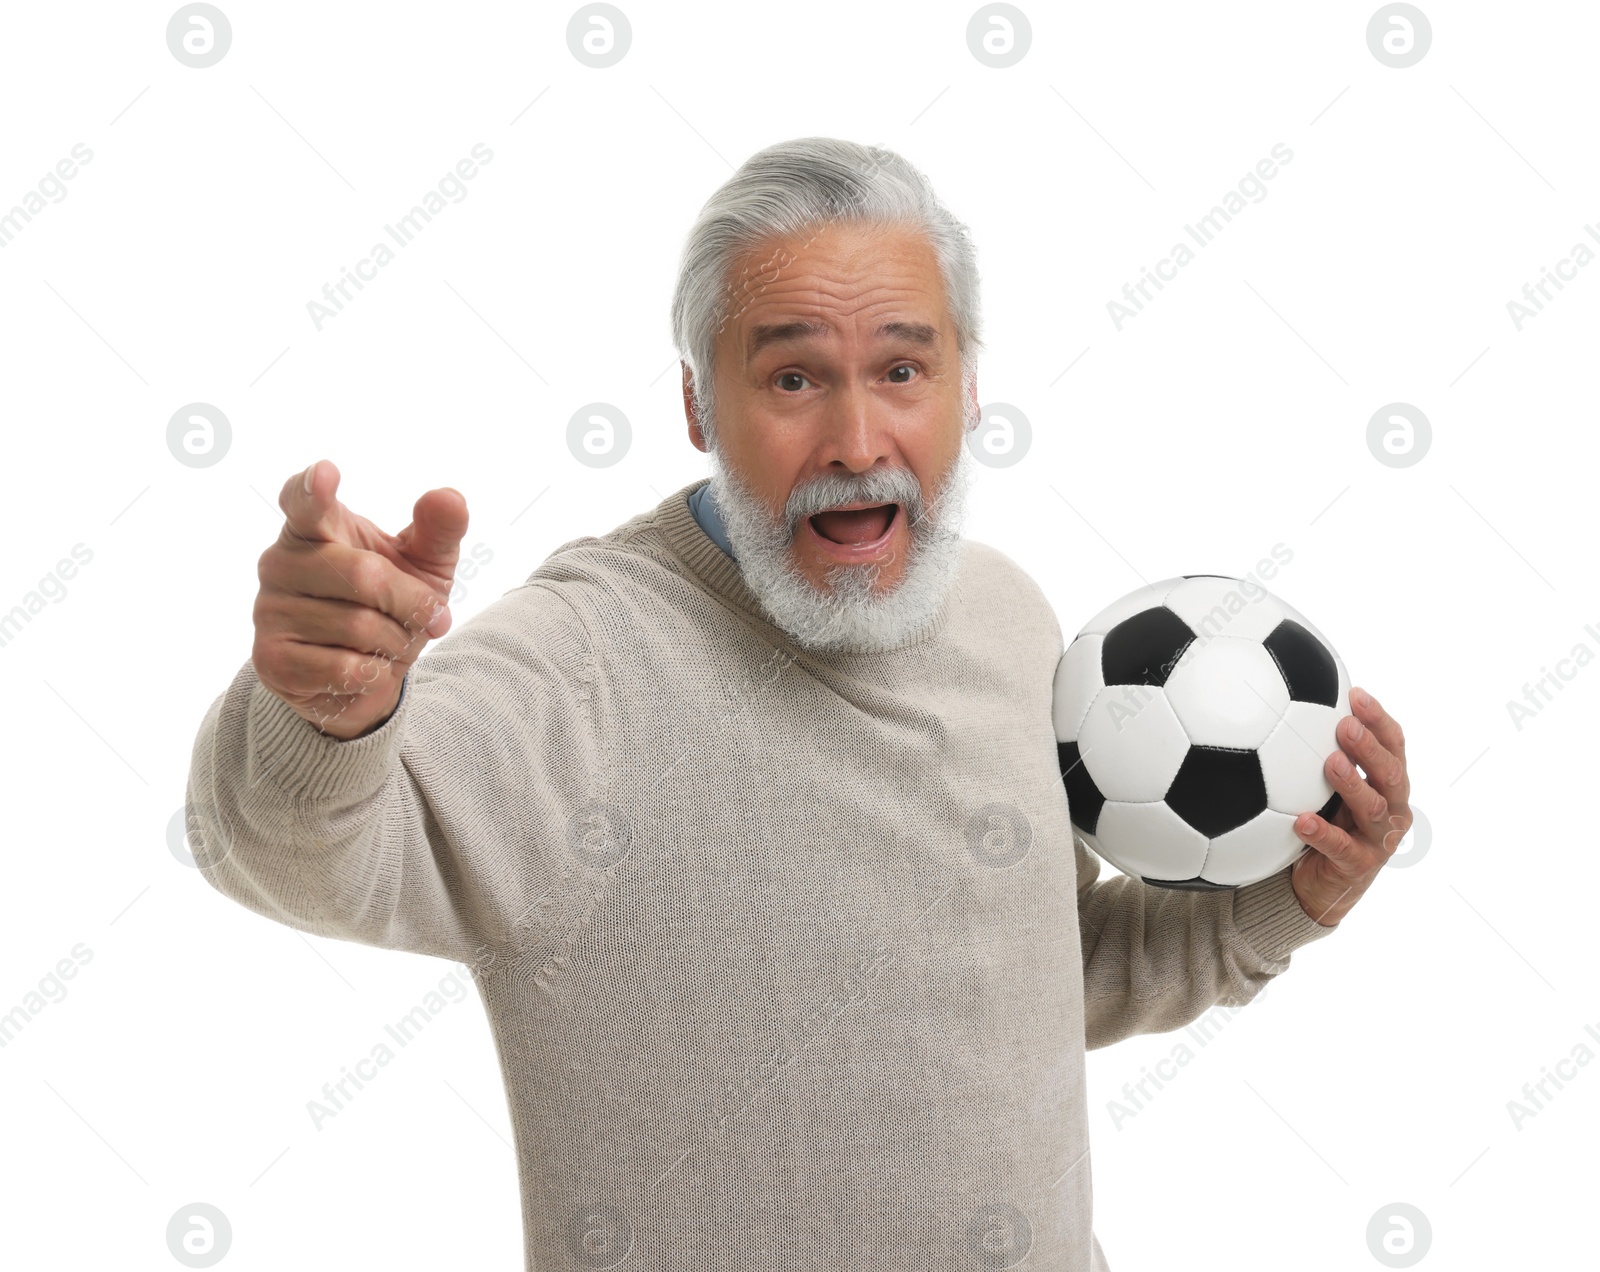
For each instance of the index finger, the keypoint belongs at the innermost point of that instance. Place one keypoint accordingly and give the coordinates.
(311, 512)
(1383, 725)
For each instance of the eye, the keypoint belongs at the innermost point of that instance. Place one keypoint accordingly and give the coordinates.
(790, 375)
(905, 366)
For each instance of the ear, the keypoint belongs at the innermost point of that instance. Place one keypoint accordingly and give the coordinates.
(695, 435)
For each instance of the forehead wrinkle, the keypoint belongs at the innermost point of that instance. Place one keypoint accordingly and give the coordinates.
(831, 310)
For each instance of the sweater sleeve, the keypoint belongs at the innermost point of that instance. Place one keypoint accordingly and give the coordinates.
(445, 830)
(1155, 959)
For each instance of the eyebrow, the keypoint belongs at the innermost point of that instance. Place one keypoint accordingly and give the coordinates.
(764, 334)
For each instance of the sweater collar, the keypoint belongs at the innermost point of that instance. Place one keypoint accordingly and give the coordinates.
(720, 574)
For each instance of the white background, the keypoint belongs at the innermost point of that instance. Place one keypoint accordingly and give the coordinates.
(1229, 416)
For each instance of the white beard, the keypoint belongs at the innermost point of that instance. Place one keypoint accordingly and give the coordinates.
(854, 616)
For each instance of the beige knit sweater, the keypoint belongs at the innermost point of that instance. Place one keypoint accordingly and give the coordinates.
(791, 960)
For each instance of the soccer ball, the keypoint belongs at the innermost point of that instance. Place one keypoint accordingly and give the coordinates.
(1193, 718)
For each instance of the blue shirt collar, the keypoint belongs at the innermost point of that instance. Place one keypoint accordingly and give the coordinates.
(703, 506)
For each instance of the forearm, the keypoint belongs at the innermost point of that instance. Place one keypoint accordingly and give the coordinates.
(1155, 959)
(442, 831)
(288, 821)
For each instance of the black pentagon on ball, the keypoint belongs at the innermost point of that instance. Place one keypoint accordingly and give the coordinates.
(1306, 664)
(1217, 789)
(1144, 649)
(1327, 811)
(1084, 800)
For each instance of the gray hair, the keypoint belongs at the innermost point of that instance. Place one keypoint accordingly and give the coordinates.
(784, 191)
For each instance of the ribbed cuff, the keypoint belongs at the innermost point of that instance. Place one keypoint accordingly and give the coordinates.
(1270, 917)
(302, 760)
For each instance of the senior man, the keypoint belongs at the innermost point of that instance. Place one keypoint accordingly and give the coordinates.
(709, 805)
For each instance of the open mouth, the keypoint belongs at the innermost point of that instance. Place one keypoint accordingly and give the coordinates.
(855, 526)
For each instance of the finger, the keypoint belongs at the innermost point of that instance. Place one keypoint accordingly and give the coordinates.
(1386, 771)
(312, 513)
(1399, 826)
(1367, 806)
(337, 624)
(1384, 725)
(1333, 843)
(336, 571)
(309, 672)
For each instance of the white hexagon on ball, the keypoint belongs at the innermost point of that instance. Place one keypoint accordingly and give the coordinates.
(1136, 602)
(1131, 742)
(1292, 758)
(1343, 695)
(1077, 681)
(1228, 692)
(1149, 840)
(1215, 606)
(1261, 847)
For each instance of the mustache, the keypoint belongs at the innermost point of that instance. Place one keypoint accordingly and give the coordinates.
(881, 486)
(831, 491)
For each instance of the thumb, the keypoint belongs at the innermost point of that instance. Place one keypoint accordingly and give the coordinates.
(433, 539)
